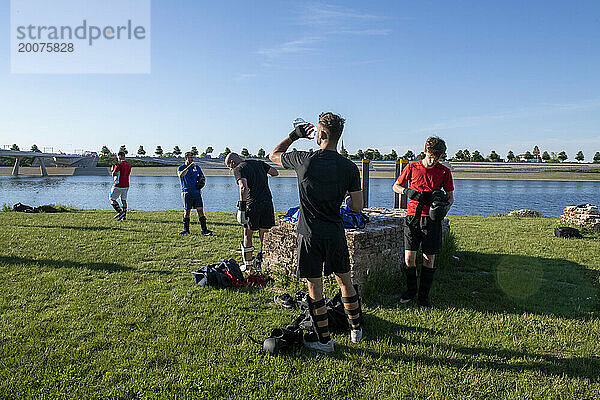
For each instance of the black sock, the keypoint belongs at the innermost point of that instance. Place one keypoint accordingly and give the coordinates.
(186, 224)
(117, 207)
(426, 281)
(202, 220)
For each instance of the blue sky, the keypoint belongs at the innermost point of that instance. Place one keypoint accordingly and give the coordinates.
(482, 75)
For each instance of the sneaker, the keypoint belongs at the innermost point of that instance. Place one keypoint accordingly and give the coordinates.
(284, 300)
(184, 232)
(407, 296)
(117, 215)
(320, 347)
(207, 233)
(356, 335)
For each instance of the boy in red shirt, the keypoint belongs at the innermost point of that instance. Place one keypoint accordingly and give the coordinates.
(120, 187)
(425, 176)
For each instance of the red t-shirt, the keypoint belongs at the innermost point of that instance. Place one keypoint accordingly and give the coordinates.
(425, 179)
(122, 177)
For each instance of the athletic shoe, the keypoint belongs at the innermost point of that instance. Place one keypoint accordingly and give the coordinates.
(121, 216)
(207, 233)
(117, 215)
(356, 335)
(184, 232)
(320, 347)
(284, 300)
(407, 296)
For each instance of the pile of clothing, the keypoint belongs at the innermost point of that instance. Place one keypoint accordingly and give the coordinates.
(291, 336)
(352, 220)
(224, 274)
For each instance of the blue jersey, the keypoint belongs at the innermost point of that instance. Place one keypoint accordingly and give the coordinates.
(188, 182)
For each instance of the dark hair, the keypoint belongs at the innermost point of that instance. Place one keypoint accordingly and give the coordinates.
(436, 146)
(121, 153)
(332, 124)
(189, 154)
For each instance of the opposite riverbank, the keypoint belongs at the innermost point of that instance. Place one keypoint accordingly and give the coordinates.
(94, 308)
(172, 171)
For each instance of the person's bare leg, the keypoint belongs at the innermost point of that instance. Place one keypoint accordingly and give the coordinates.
(247, 243)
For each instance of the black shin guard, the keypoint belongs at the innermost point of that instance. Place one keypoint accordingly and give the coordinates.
(425, 285)
(186, 224)
(354, 315)
(322, 329)
(117, 207)
(202, 220)
(411, 282)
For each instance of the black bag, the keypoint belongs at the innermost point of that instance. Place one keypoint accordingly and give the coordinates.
(567, 232)
(22, 208)
(201, 181)
(338, 321)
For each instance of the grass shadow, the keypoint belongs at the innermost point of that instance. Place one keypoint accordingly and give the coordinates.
(516, 284)
(503, 283)
(459, 357)
(107, 267)
(80, 228)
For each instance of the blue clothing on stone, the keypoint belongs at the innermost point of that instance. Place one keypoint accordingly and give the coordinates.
(188, 182)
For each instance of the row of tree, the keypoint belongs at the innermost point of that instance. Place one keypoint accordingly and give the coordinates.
(466, 155)
(371, 154)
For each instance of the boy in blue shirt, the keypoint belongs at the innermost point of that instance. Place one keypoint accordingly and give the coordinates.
(192, 197)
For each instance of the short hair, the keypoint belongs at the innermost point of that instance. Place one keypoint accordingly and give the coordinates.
(332, 124)
(189, 154)
(121, 153)
(436, 146)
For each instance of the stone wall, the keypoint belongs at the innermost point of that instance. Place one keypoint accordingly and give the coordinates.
(379, 245)
(585, 216)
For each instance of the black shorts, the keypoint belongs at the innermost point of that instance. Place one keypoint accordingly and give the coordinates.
(426, 232)
(191, 200)
(260, 216)
(318, 256)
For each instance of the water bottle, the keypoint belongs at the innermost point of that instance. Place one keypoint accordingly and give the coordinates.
(299, 121)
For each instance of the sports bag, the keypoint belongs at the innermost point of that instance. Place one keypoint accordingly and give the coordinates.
(567, 232)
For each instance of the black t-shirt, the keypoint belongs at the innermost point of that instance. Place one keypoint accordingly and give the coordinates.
(255, 173)
(324, 177)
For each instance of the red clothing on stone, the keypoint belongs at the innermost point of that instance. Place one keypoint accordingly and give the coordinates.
(122, 178)
(425, 180)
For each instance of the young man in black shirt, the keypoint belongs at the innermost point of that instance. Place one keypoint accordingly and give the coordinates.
(324, 180)
(255, 208)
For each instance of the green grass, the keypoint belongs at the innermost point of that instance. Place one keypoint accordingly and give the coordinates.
(93, 308)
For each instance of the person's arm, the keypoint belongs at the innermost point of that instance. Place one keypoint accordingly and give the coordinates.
(450, 198)
(355, 201)
(116, 169)
(243, 184)
(184, 171)
(301, 131)
(275, 155)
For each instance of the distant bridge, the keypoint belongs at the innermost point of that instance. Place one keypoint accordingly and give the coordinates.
(56, 159)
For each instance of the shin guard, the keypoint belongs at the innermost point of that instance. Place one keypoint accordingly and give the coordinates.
(202, 221)
(186, 224)
(353, 311)
(320, 321)
(425, 284)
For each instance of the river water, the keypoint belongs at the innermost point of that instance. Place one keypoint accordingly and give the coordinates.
(472, 197)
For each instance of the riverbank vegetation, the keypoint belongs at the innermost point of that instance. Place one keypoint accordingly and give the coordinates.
(95, 308)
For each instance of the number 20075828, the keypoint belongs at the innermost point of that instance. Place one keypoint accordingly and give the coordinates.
(46, 48)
